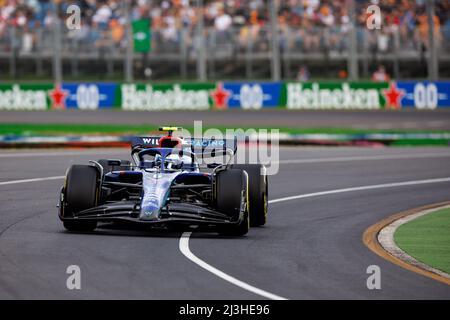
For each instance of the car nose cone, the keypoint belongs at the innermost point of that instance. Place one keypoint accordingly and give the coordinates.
(156, 187)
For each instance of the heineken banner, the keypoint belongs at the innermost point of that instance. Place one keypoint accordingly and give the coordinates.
(317, 96)
(25, 96)
(254, 95)
(226, 95)
(165, 96)
(424, 95)
(90, 96)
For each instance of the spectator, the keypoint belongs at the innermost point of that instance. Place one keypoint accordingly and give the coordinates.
(304, 24)
(102, 15)
(223, 21)
(303, 74)
(117, 31)
(380, 75)
(422, 31)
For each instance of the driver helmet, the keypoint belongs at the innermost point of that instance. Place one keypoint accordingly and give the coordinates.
(170, 142)
(178, 160)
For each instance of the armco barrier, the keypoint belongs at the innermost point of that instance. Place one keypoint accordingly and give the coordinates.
(227, 95)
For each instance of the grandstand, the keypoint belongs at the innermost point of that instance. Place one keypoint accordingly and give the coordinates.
(230, 39)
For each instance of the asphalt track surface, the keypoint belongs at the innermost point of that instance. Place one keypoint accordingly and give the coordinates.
(413, 119)
(311, 247)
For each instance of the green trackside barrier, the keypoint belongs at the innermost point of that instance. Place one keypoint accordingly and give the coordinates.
(225, 95)
(147, 97)
(25, 96)
(176, 96)
(333, 95)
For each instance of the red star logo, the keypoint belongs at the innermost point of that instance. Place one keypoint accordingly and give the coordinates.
(58, 97)
(220, 96)
(393, 96)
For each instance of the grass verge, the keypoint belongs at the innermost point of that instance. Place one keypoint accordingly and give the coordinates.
(427, 239)
(61, 129)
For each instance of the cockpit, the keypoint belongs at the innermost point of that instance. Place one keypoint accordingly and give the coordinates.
(167, 159)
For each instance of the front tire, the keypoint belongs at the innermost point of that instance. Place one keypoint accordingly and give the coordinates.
(81, 193)
(231, 198)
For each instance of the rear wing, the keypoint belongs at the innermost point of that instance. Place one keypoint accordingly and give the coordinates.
(195, 145)
(145, 142)
(212, 146)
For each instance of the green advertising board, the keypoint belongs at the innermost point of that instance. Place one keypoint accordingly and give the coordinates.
(25, 96)
(201, 96)
(147, 97)
(315, 96)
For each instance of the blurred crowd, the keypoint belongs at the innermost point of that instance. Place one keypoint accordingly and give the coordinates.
(306, 25)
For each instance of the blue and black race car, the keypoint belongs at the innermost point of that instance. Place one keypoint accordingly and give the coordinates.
(165, 185)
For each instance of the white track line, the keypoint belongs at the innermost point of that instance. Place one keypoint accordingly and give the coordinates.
(287, 161)
(371, 187)
(291, 161)
(56, 153)
(365, 158)
(184, 240)
(184, 248)
(30, 180)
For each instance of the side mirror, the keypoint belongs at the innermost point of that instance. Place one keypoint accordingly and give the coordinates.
(114, 163)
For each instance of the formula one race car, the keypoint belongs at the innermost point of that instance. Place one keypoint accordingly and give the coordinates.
(163, 187)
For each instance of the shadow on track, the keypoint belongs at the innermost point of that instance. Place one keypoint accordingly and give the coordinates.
(133, 230)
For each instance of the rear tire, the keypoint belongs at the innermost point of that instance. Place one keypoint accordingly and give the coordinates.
(258, 187)
(81, 192)
(231, 190)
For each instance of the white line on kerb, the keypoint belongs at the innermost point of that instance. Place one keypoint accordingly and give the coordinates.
(30, 180)
(386, 239)
(184, 240)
